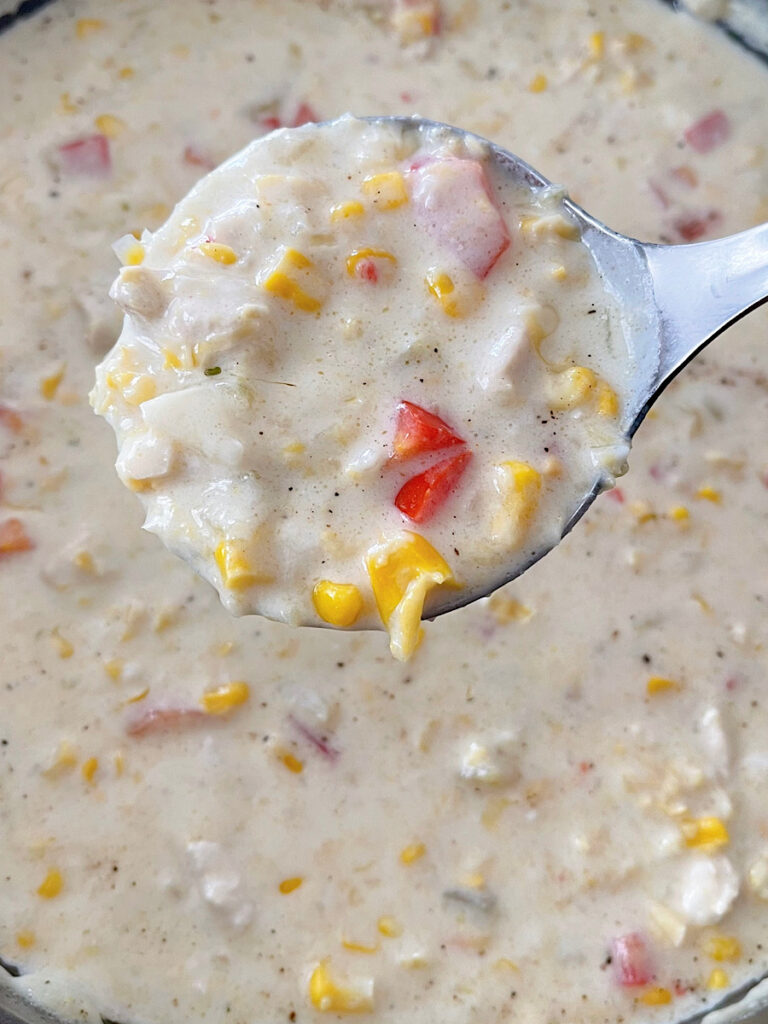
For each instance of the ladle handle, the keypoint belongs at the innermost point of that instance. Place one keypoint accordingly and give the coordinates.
(703, 288)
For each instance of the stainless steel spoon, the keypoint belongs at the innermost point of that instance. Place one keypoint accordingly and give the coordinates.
(675, 300)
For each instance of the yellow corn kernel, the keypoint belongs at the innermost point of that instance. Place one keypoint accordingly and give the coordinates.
(26, 939)
(134, 387)
(660, 684)
(109, 125)
(51, 885)
(634, 41)
(474, 880)
(337, 603)
(455, 302)
(412, 852)
(402, 572)
(64, 647)
(518, 485)
(64, 761)
(389, 927)
(358, 947)
(367, 254)
(137, 697)
(386, 191)
(552, 225)
(558, 272)
(596, 44)
(219, 252)
(722, 947)
(236, 571)
(578, 386)
(415, 21)
(505, 964)
(85, 27)
(89, 769)
(718, 979)
(289, 885)
(50, 385)
(329, 996)
(66, 106)
(442, 287)
(293, 764)
(538, 83)
(281, 281)
(656, 997)
(679, 513)
(114, 668)
(708, 493)
(508, 609)
(223, 699)
(126, 72)
(133, 256)
(119, 761)
(642, 511)
(607, 400)
(225, 648)
(153, 216)
(493, 810)
(707, 834)
(343, 211)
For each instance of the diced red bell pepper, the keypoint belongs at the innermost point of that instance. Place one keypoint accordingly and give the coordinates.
(423, 495)
(270, 122)
(419, 431)
(304, 115)
(197, 158)
(708, 132)
(14, 538)
(10, 418)
(631, 960)
(366, 271)
(694, 226)
(87, 156)
(454, 204)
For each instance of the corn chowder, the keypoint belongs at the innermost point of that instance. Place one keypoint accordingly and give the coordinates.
(357, 364)
(555, 810)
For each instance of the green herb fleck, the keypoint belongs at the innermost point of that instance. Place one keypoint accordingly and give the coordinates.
(212, 371)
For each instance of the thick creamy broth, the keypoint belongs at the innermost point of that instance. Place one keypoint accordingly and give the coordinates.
(283, 324)
(478, 835)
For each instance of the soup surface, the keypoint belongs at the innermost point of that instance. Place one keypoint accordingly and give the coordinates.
(556, 809)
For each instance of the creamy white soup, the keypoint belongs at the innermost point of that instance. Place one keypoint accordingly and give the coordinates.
(555, 810)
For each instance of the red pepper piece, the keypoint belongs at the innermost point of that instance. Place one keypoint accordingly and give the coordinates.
(631, 960)
(708, 132)
(304, 115)
(423, 495)
(419, 431)
(88, 156)
(13, 538)
(10, 418)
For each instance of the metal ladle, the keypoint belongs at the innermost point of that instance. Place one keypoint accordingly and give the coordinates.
(675, 299)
